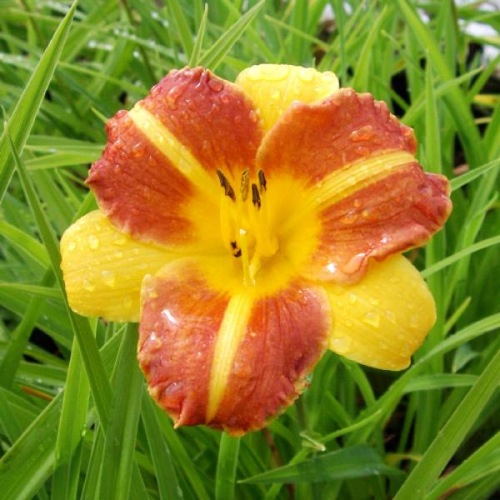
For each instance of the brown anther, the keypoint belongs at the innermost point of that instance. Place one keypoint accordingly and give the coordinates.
(256, 196)
(228, 190)
(235, 249)
(262, 181)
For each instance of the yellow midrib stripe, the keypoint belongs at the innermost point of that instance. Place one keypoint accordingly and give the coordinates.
(229, 337)
(358, 175)
(178, 154)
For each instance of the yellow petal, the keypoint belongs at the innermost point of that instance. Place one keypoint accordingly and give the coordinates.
(382, 320)
(103, 268)
(274, 87)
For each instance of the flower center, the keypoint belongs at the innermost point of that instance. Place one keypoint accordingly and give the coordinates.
(245, 223)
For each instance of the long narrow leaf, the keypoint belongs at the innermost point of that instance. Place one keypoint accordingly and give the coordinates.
(23, 115)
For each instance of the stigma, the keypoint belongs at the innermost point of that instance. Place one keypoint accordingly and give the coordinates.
(245, 223)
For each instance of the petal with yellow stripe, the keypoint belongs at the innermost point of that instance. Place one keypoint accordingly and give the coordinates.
(161, 156)
(229, 359)
(103, 268)
(361, 182)
(382, 320)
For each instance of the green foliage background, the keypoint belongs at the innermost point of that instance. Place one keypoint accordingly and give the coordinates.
(75, 417)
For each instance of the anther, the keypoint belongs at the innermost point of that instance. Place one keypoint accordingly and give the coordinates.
(262, 181)
(244, 184)
(228, 190)
(235, 249)
(256, 196)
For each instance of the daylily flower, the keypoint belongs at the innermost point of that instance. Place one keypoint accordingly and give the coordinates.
(249, 227)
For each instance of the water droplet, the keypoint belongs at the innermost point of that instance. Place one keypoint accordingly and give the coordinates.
(352, 298)
(329, 77)
(275, 94)
(169, 316)
(88, 285)
(172, 97)
(253, 115)
(120, 241)
(270, 73)
(357, 203)
(71, 246)
(93, 241)
(341, 345)
(390, 316)
(215, 84)
(109, 278)
(372, 318)
(414, 321)
(362, 134)
(306, 74)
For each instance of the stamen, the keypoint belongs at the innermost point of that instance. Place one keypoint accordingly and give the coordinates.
(228, 190)
(244, 184)
(248, 279)
(262, 181)
(256, 196)
(236, 250)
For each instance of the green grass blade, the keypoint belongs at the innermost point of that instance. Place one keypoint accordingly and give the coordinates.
(347, 463)
(200, 38)
(95, 371)
(72, 424)
(458, 256)
(181, 25)
(19, 339)
(457, 105)
(166, 477)
(213, 56)
(23, 115)
(118, 457)
(484, 461)
(425, 474)
(226, 467)
(25, 467)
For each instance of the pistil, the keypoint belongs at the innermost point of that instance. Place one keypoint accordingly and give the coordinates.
(245, 224)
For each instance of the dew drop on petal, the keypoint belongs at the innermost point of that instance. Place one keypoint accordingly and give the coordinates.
(341, 345)
(71, 246)
(88, 285)
(414, 321)
(329, 77)
(215, 85)
(372, 318)
(253, 115)
(275, 94)
(120, 241)
(168, 315)
(93, 241)
(306, 74)
(390, 316)
(109, 278)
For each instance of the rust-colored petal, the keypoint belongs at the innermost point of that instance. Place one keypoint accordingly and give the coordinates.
(229, 360)
(161, 156)
(361, 182)
(392, 215)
